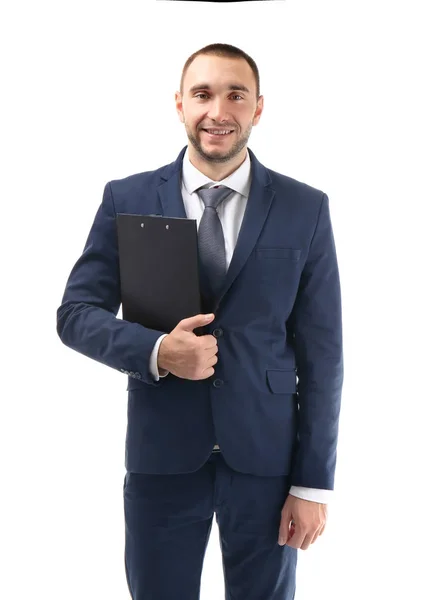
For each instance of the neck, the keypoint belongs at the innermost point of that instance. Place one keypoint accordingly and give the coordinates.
(216, 170)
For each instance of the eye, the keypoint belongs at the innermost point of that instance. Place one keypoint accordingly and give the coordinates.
(238, 95)
(197, 95)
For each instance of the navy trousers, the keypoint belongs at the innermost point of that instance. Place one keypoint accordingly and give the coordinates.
(168, 520)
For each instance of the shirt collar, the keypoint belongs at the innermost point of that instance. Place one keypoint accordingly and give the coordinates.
(239, 180)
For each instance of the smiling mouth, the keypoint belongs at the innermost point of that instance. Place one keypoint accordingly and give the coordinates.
(218, 133)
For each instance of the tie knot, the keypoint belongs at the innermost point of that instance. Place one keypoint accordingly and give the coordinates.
(212, 197)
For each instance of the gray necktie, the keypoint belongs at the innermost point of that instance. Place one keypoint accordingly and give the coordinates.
(211, 242)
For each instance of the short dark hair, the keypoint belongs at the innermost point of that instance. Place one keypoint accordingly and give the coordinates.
(226, 51)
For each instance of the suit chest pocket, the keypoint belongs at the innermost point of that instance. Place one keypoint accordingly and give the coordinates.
(292, 254)
(276, 267)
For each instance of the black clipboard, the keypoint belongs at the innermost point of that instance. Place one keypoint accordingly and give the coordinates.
(159, 270)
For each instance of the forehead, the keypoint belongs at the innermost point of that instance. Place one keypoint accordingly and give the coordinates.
(219, 72)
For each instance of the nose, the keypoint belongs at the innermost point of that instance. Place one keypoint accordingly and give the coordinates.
(217, 110)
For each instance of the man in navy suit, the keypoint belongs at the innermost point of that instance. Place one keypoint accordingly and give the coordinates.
(241, 421)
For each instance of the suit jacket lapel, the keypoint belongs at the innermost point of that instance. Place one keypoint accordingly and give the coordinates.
(259, 202)
(169, 190)
(257, 209)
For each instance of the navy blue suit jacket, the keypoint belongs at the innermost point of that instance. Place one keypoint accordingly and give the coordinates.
(273, 402)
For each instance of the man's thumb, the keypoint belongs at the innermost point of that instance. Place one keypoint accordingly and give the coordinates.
(196, 321)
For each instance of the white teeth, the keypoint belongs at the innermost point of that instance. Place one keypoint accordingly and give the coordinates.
(219, 132)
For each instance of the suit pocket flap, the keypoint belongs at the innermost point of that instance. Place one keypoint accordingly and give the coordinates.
(290, 253)
(282, 381)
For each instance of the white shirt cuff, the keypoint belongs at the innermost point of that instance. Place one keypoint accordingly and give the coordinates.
(153, 359)
(312, 494)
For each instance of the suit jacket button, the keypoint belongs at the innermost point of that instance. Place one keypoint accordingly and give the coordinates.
(138, 375)
(218, 383)
(217, 332)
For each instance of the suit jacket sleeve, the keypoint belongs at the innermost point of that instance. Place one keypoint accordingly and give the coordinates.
(86, 319)
(315, 327)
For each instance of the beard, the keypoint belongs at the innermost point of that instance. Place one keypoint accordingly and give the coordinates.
(218, 155)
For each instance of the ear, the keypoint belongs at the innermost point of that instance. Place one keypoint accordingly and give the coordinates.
(258, 111)
(178, 105)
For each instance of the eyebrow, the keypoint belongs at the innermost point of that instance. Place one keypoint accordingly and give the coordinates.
(234, 87)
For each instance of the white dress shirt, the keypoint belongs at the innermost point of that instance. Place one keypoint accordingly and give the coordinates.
(230, 212)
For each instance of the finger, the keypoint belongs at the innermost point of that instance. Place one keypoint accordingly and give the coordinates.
(298, 537)
(285, 523)
(319, 532)
(208, 342)
(191, 323)
(207, 373)
(316, 535)
(308, 540)
(291, 531)
(212, 361)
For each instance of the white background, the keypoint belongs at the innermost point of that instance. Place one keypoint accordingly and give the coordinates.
(88, 96)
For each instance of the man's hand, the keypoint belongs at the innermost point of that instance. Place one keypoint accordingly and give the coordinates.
(302, 522)
(187, 355)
